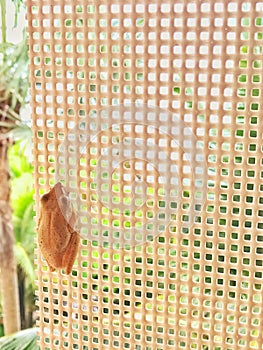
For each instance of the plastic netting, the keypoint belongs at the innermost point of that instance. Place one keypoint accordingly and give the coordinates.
(150, 113)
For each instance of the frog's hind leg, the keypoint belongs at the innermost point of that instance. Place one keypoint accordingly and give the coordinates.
(71, 252)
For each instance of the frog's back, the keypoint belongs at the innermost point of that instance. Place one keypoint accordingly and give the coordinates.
(53, 237)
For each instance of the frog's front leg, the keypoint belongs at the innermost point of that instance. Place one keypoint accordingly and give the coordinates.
(71, 252)
(51, 268)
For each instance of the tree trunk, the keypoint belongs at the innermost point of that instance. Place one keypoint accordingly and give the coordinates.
(8, 272)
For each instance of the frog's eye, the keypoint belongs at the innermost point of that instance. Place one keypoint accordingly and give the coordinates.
(45, 197)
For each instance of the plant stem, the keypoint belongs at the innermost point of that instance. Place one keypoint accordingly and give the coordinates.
(3, 18)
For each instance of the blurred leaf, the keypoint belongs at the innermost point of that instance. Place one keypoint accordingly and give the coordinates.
(14, 82)
(23, 206)
(18, 162)
(22, 199)
(20, 185)
(24, 223)
(24, 262)
(18, 4)
(3, 19)
(23, 340)
(21, 132)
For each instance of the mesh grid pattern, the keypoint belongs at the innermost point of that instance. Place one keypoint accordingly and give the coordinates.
(197, 283)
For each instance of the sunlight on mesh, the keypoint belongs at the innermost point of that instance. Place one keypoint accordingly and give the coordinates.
(124, 160)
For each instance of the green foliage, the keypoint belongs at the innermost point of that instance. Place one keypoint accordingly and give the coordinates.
(23, 340)
(19, 160)
(18, 4)
(14, 76)
(22, 202)
(3, 19)
(14, 71)
(14, 82)
(23, 207)
(14, 94)
(25, 263)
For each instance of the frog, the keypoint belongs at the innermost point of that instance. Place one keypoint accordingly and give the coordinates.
(57, 238)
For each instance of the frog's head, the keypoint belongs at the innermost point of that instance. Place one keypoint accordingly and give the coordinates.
(57, 196)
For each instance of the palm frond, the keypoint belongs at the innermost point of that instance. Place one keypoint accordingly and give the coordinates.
(21, 132)
(10, 114)
(18, 4)
(23, 260)
(23, 340)
(14, 83)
